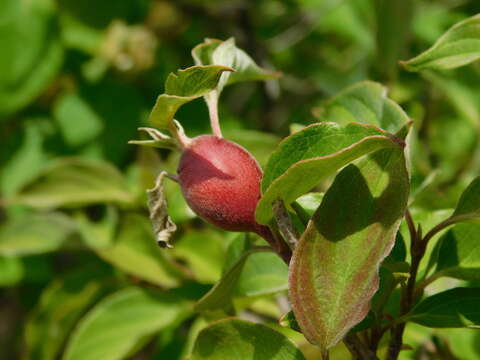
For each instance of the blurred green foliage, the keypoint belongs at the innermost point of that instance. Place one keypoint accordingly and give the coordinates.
(78, 77)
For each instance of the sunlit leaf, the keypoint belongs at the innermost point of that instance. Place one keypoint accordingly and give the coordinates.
(31, 53)
(334, 269)
(226, 53)
(365, 102)
(309, 156)
(468, 207)
(459, 253)
(60, 306)
(220, 296)
(182, 87)
(35, 234)
(204, 252)
(78, 122)
(11, 270)
(241, 340)
(115, 325)
(459, 46)
(72, 182)
(135, 251)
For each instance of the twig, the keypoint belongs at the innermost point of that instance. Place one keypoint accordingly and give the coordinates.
(276, 242)
(417, 252)
(358, 349)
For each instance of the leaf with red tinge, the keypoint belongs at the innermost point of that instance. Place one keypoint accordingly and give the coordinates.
(334, 269)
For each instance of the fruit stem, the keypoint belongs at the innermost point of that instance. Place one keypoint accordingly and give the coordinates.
(212, 103)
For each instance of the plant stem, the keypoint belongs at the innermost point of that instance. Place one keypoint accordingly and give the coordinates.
(212, 104)
(276, 242)
(325, 355)
(358, 349)
(284, 223)
(417, 251)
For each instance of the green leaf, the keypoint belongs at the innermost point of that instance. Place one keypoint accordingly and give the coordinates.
(468, 207)
(459, 46)
(334, 268)
(393, 20)
(11, 270)
(220, 296)
(202, 53)
(288, 320)
(365, 102)
(259, 144)
(226, 53)
(61, 304)
(457, 307)
(35, 234)
(399, 251)
(391, 274)
(309, 156)
(31, 53)
(72, 182)
(463, 342)
(263, 273)
(204, 252)
(241, 340)
(23, 156)
(135, 251)
(459, 253)
(78, 122)
(182, 87)
(310, 202)
(119, 322)
(464, 98)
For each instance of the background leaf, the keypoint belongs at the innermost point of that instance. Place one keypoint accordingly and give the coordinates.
(61, 305)
(32, 53)
(35, 234)
(220, 296)
(11, 270)
(134, 250)
(73, 182)
(459, 46)
(116, 324)
(242, 340)
(365, 102)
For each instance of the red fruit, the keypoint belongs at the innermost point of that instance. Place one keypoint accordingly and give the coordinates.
(221, 182)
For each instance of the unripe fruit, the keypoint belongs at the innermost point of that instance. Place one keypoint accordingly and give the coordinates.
(220, 181)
